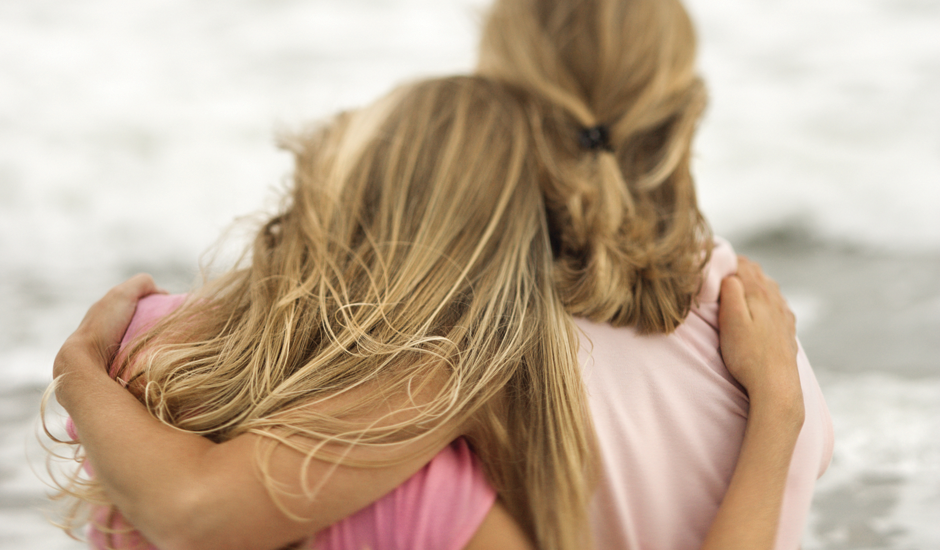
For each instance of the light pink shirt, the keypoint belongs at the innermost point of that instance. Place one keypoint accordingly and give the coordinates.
(670, 420)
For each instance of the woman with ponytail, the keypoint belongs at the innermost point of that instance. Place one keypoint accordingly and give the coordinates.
(409, 303)
(635, 263)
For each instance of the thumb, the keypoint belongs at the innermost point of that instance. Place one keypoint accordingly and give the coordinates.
(137, 287)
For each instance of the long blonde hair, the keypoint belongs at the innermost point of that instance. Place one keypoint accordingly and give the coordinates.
(411, 256)
(630, 242)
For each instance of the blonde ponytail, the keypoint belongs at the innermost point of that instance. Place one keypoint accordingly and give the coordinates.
(629, 240)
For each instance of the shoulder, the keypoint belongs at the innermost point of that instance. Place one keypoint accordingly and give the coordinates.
(723, 262)
(149, 310)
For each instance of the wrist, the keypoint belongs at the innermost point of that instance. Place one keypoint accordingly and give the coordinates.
(79, 353)
(786, 413)
(75, 370)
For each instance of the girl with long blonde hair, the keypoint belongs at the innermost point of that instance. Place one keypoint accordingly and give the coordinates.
(400, 299)
(409, 293)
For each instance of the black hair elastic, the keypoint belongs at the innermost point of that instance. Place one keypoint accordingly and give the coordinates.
(596, 138)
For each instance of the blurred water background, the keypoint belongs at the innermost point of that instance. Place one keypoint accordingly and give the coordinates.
(133, 133)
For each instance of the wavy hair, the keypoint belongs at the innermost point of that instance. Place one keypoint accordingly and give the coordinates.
(411, 257)
(630, 243)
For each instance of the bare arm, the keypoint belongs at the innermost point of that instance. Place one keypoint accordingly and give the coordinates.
(758, 343)
(181, 490)
(499, 531)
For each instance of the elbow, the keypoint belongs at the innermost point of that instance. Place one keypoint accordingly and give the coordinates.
(188, 520)
(178, 543)
(182, 543)
(190, 537)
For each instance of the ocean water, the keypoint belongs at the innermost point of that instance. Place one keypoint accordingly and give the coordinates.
(133, 134)
(824, 119)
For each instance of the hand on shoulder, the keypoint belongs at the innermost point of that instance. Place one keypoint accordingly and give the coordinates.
(93, 344)
(757, 334)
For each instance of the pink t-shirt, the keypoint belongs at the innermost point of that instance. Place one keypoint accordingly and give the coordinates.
(670, 421)
(438, 508)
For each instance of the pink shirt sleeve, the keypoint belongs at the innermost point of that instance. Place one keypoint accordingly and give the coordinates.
(149, 310)
(439, 508)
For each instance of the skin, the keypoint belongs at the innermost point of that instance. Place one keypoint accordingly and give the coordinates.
(197, 494)
(757, 333)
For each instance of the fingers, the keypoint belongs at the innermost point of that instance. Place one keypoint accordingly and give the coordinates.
(107, 319)
(137, 287)
(763, 293)
(99, 334)
(755, 281)
(758, 287)
(757, 336)
(733, 302)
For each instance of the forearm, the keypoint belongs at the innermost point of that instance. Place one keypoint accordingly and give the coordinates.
(183, 491)
(750, 511)
(147, 469)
